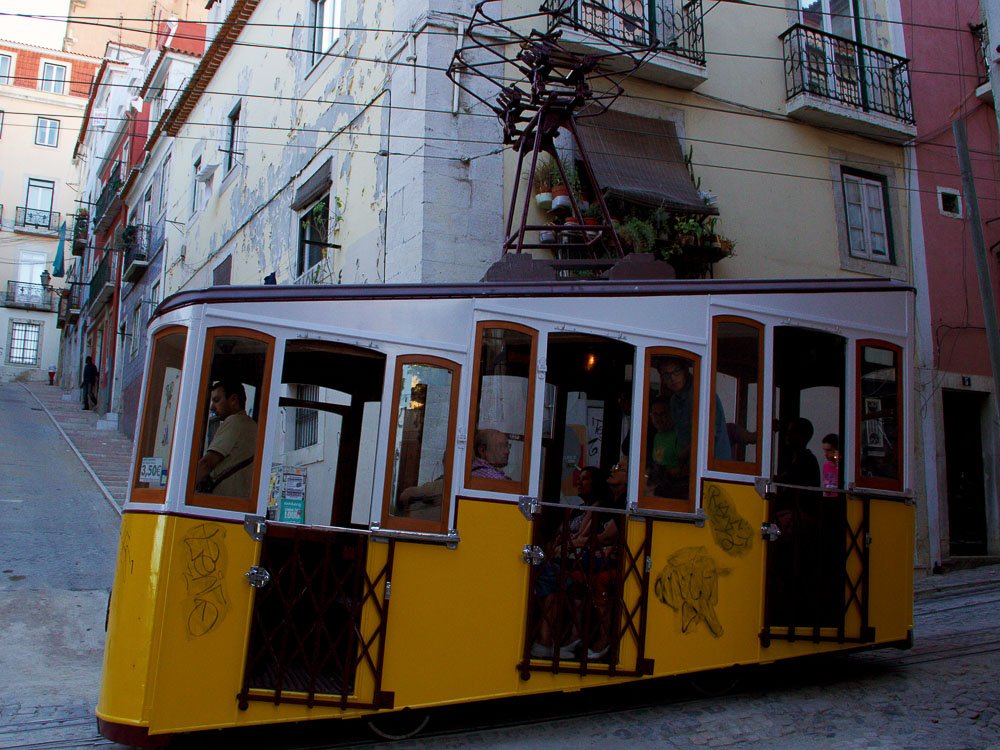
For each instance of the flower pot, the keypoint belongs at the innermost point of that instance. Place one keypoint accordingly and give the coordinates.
(544, 200)
(547, 236)
(560, 202)
(570, 232)
(591, 222)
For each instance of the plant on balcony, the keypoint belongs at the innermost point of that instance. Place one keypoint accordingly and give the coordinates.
(562, 187)
(543, 184)
(637, 235)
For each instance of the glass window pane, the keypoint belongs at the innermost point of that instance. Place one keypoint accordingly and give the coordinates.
(671, 426)
(879, 418)
(501, 411)
(226, 466)
(423, 424)
(737, 378)
(156, 440)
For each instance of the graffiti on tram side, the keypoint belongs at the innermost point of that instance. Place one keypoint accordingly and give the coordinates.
(730, 530)
(689, 585)
(204, 572)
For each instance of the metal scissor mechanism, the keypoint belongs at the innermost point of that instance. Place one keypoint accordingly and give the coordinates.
(551, 86)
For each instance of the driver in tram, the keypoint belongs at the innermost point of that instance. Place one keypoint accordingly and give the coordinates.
(227, 466)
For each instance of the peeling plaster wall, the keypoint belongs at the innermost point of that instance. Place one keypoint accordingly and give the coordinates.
(408, 209)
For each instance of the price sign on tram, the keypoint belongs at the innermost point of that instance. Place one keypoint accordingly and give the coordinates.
(151, 470)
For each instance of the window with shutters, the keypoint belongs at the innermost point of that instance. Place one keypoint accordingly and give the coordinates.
(866, 212)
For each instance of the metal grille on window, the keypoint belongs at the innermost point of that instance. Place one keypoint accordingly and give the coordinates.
(306, 420)
(24, 343)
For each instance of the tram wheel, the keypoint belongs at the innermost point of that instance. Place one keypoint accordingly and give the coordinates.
(715, 684)
(399, 725)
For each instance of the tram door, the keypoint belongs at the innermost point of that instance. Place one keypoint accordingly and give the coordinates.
(805, 564)
(306, 619)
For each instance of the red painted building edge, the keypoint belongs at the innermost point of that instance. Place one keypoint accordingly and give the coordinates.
(188, 37)
(28, 68)
(942, 92)
(944, 88)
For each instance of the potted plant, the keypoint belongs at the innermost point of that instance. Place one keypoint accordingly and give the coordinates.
(562, 184)
(543, 184)
(637, 235)
(593, 216)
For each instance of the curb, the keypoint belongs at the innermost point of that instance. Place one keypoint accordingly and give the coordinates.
(104, 490)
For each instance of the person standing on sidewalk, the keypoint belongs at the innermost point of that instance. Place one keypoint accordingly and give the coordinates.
(89, 384)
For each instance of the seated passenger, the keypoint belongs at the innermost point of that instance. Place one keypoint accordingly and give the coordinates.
(492, 451)
(668, 477)
(227, 466)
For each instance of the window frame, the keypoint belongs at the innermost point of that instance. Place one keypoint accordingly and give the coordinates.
(196, 499)
(512, 486)
(133, 348)
(388, 520)
(882, 182)
(149, 494)
(732, 466)
(651, 502)
(50, 85)
(51, 126)
(879, 483)
(26, 324)
(8, 78)
(302, 266)
(197, 188)
(233, 120)
(321, 21)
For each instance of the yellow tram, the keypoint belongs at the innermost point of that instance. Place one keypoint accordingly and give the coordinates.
(451, 493)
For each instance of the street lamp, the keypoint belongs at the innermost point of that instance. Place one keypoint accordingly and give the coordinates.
(46, 278)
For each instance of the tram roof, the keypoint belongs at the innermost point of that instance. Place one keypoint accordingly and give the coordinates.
(499, 289)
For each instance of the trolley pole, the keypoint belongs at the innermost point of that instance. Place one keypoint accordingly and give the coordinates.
(982, 264)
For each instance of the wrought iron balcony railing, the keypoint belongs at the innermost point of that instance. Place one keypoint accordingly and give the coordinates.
(134, 241)
(982, 53)
(672, 26)
(30, 296)
(81, 232)
(37, 219)
(841, 70)
(109, 193)
(157, 236)
(100, 283)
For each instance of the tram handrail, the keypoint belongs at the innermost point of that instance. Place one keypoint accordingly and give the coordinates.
(766, 486)
(696, 517)
(450, 539)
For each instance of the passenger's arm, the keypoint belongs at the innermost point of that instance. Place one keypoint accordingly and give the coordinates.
(206, 463)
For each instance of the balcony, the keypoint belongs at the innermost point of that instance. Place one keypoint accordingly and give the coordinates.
(833, 81)
(984, 90)
(30, 296)
(101, 285)
(108, 202)
(81, 233)
(134, 242)
(157, 236)
(69, 305)
(674, 28)
(36, 220)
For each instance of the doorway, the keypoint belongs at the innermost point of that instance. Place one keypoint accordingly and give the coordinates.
(963, 446)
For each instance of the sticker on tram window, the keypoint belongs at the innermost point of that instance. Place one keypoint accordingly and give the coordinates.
(151, 472)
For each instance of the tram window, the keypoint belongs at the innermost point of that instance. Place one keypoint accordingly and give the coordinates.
(500, 423)
(225, 465)
(156, 436)
(879, 416)
(422, 438)
(324, 452)
(737, 358)
(670, 429)
(586, 412)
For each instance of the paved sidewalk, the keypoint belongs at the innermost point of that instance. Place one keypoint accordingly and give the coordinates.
(104, 453)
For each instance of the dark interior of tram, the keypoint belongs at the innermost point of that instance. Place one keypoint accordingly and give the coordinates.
(805, 566)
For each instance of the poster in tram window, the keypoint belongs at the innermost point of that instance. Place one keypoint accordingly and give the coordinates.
(166, 419)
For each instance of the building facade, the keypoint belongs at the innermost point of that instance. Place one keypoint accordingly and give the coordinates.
(43, 93)
(957, 394)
